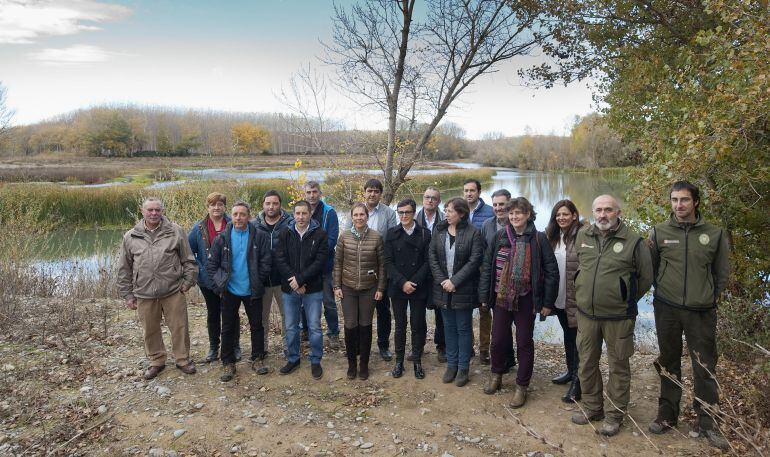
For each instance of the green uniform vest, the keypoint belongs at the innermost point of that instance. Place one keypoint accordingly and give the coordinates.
(688, 268)
(606, 283)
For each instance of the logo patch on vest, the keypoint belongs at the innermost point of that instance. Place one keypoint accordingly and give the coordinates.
(670, 241)
(704, 239)
(617, 247)
(583, 245)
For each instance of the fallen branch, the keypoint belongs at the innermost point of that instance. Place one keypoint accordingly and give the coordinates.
(635, 424)
(82, 432)
(533, 433)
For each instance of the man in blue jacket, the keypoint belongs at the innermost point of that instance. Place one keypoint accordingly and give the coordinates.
(271, 220)
(238, 267)
(326, 217)
(480, 211)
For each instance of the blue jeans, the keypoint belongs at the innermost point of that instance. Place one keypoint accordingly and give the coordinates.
(330, 308)
(458, 332)
(292, 308)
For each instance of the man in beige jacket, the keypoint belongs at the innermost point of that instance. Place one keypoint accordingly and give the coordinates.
(156, 268)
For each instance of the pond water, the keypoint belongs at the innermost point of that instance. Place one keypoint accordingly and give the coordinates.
(91, 250)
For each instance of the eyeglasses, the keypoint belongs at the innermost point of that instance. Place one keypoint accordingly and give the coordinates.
(405, 213)
(430, 197)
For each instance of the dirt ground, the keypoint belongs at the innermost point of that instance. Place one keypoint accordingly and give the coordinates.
(84, 395)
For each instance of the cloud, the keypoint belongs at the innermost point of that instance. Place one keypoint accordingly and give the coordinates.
(24, 21)
(77, 54)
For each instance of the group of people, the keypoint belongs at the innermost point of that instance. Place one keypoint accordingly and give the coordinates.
(472, 255)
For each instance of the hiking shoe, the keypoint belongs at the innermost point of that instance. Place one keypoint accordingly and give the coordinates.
(581, 419)
(289, 367)
(449, 375)
(153, 371)
(716, 439)
(660, 426)
(259, 366)
(187, 369)
(316, 370)
(228, 372)
(609, 428)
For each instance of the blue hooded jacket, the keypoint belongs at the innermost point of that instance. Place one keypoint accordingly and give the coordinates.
(200, 244)
(331, 225)
(481, 214)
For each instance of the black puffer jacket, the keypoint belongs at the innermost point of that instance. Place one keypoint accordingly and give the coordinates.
(544, 269)
(469, 253)
(302, 258)
(406, 259)
(258, 259)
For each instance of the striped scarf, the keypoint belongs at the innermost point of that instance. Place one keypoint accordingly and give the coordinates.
(513, 265)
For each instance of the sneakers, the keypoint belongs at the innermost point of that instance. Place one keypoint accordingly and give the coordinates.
(316, 370)
(519, 396)
(462, 378)
(609, 428)
(581, 419)
(660, 426)
(449, 375)
(228, 372)
(289, 367)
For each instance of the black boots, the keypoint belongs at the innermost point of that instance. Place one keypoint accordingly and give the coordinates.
(563, 378)
(351, 349)
(398, 370)
(364, 348)
(213, 353)
(573, 393)
(572, 366)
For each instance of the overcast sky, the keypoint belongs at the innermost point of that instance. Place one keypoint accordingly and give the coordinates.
(61, 55)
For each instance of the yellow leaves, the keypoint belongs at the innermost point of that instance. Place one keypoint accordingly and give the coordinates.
(247, 137)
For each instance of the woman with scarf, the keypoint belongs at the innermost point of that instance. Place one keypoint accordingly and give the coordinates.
(359, 281)
(519, 278)
(561, 232)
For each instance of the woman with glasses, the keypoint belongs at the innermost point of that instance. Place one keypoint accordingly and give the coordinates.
(456, 251)
(519, 278)
(359, 281)
(201, 238)
(406, 261)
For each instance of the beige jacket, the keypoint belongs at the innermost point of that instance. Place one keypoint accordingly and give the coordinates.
(358, 264)
(155, 268)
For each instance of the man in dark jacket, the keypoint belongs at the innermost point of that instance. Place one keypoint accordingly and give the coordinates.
(271, 220)
(691, 260)
(326, 216)
(429, 215)
(409, 280)
(300, 257)
(238, 267)
(488, 230)
(614, 272)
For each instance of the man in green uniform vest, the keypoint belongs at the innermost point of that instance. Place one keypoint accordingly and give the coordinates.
(614, 272)
(691, 263)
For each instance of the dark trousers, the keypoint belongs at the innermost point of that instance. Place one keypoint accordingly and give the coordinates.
(570, 342)
(699, 328)
(383, 321)
(230, 306)
(214, 317)
(502, 338)
(438, 334)
(417, 324)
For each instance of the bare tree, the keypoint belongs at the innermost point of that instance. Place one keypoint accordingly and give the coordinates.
(6, 113)
(414, 71)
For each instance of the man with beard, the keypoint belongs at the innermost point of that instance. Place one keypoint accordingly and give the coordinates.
(614, 272)
(692, 263)
(272, 220)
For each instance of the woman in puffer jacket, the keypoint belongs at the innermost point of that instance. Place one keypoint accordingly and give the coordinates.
(359, 281)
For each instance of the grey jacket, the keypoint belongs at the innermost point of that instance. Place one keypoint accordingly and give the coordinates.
(386, 220)
(488, 232)
(155, 267)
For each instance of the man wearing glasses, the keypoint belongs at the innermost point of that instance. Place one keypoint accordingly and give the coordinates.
(428, 217)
